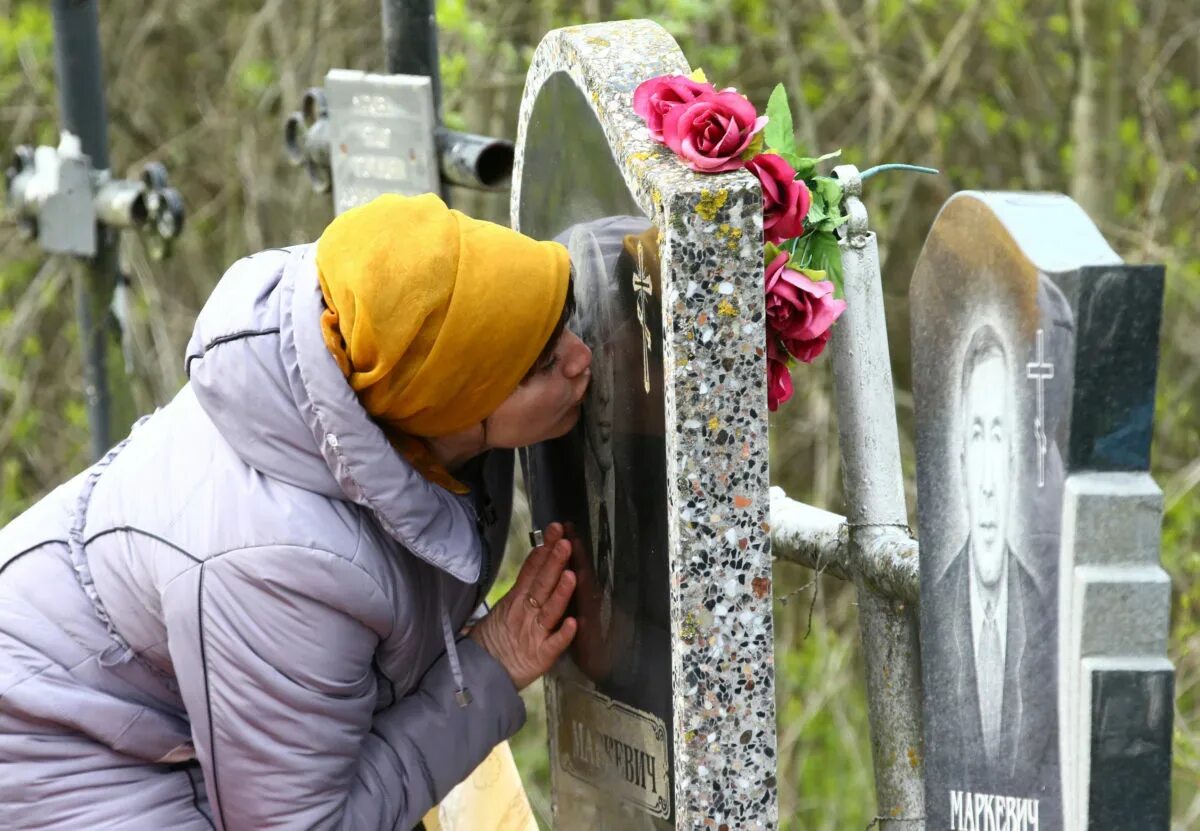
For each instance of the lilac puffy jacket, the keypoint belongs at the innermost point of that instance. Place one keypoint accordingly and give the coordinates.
(246, 616)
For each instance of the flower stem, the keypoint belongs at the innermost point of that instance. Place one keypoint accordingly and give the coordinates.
(804, 258)
(880, 168)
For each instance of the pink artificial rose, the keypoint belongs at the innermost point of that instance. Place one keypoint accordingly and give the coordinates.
(800, 311)
(808, 350)
(785, 198)
(779, 379)
(711, 133)
(653, 99)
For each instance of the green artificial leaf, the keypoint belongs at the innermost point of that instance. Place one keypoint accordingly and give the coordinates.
(754, 148)
(780, 135)
(826, 211)
(825, 255)
(830, 190)
(816, 213)
(805, 166)
(770, 252)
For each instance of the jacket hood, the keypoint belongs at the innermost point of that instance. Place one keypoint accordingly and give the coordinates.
(260, 369)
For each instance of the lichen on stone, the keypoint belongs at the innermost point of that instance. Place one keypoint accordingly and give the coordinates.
(711, 203)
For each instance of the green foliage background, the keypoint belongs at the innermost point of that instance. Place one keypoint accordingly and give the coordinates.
(1096, 98)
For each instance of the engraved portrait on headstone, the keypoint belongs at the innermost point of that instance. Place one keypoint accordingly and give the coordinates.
(595, 327)
(998, 585)
(614, 539)
(986, 567)
(1034, 350)
(993, 342)
(612, 699)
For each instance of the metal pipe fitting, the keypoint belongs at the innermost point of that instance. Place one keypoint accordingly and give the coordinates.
(886, 561)
(874, 489)
(121, 203)
(473, 161)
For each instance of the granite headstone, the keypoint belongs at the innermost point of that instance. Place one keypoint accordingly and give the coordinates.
(1034, 357)
(662, 715)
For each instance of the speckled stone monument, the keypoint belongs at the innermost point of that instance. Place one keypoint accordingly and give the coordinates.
(663, 716)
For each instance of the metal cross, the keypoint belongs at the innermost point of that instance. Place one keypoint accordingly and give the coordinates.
(643, 287)
(1040, 371)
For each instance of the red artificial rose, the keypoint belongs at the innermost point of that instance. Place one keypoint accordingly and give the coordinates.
(653, 99)
(808, 350)
(785, 198)
(712, 132)
(800, 311)
(779, 379)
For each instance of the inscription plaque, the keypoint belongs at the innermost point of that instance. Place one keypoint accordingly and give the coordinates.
(381, 136)
(614, 747)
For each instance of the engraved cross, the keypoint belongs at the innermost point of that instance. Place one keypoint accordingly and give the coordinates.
(643, 287)
(1040, 371)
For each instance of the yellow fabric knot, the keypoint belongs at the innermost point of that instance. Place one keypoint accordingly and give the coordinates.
(434, 317)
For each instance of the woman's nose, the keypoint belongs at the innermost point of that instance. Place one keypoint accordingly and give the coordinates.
(578, 357)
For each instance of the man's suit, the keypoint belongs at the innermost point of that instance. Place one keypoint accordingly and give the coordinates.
(1028, 719)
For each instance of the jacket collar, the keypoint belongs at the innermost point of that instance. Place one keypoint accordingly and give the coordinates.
(436, 525)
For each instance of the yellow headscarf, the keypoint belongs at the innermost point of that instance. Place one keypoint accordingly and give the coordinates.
(434, 317)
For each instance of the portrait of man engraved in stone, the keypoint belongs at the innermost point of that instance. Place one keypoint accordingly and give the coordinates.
(606, 481)
(996, 605)
(594, 297)
(987, 462)
(994, 387)
(616, 535)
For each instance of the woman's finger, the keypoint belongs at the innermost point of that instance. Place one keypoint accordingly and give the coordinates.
(552, 534)
(559, 640)
(547, 576)
(556, 604)
(529, 570)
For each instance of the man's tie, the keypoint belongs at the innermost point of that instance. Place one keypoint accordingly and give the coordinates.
(991, 682)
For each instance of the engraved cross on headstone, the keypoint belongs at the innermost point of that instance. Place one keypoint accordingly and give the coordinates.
(1040, 371)
(643, 287)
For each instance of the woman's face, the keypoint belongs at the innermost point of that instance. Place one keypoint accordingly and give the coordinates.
(547, 403)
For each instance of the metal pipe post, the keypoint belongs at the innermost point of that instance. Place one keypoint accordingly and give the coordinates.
(410, 48)
(874, 489)
(80, 79)
(410, 43)
(82, 108)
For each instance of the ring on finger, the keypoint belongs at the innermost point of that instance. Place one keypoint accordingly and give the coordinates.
(532, 602)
